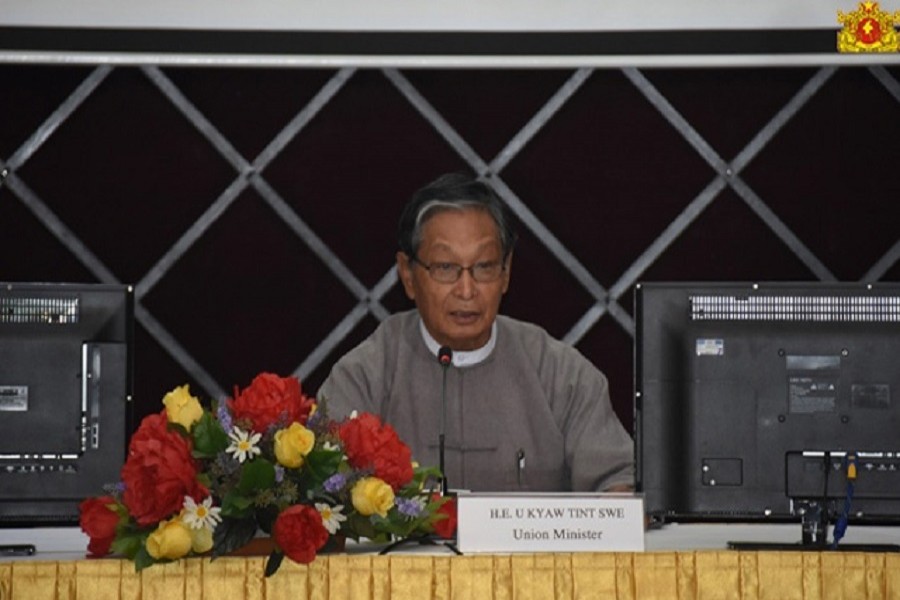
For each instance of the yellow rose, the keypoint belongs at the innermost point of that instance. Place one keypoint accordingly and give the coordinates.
(201, 540)
(182, 408)
(372, 496)
(172, 539)
(292, 444)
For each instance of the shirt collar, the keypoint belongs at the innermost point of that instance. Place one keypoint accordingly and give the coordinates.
(462, 358)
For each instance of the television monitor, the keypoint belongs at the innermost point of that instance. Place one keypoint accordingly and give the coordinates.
(757, 402)
(65, 391)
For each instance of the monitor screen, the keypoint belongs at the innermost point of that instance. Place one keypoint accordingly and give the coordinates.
(752, 399)
(65, 391)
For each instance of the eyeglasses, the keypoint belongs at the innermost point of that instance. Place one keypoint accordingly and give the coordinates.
(447, 272)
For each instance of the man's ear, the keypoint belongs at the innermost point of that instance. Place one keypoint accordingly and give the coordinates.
(404, 271)
(507, 272)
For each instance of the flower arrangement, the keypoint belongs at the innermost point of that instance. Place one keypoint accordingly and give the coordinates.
(270, 460)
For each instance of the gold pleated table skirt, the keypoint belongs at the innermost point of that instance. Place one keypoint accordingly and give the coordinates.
(706, 575)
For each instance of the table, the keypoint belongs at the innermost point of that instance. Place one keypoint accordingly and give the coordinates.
(707, 573)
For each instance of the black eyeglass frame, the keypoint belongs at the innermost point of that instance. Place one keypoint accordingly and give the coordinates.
(458, 269)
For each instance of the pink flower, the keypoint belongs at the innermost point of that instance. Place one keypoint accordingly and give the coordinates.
(99, 522)
(271, 400)
(159, 472)
(370, 444)
(300, 532)
(446, 528)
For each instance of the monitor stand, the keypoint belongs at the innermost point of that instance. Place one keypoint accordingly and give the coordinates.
(814, 526)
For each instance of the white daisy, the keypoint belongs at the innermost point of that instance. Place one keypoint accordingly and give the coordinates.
(330, 446)
(331, 516)
(243, 445)
(354, 414)
(201, 515)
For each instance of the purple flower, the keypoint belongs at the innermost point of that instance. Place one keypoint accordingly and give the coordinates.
(115, 489)
(279, 473)
(224, 417)
(335, 483)
(409, 506)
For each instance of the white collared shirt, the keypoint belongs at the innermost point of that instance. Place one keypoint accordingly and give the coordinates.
(462, 358)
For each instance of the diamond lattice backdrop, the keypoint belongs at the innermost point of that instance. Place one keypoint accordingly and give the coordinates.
(254, 210)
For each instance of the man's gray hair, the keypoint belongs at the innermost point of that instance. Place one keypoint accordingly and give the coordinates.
(453, 192)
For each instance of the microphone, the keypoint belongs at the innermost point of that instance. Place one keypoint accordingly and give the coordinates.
(445, 358)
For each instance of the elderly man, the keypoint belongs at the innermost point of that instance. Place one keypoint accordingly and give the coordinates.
(523, 411)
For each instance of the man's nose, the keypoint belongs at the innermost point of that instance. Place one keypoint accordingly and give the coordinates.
(466, 286)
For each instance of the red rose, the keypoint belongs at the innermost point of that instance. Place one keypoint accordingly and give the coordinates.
(271, 400)
(99, 522)
(370, 444)
(446, 528)
(299, 532)
(159, 472)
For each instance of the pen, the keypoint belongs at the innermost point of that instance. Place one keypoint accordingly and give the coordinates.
(520, 465)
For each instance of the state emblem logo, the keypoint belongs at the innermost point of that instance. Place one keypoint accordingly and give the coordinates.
(868, 29)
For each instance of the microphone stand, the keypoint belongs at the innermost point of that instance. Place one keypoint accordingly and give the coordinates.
(445, 358)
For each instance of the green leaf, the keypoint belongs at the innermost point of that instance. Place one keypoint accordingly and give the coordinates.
(423, 477)
(398, 525)
(274, 562)
(142, 559)
(121, 510)
(209, 437)
(322, 464)
(423, 473)
(231, 534)
(357, 526)
(236, 505)
(130, 538)
(258, 474)
(127, 544)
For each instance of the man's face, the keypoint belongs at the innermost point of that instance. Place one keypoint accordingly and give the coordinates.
(460, 314)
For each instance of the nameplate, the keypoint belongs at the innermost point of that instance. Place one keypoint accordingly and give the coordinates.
(576, 522)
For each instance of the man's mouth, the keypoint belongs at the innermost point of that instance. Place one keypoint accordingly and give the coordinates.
(464, 317)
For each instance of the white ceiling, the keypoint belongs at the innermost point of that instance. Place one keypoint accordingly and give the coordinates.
(430, 15)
